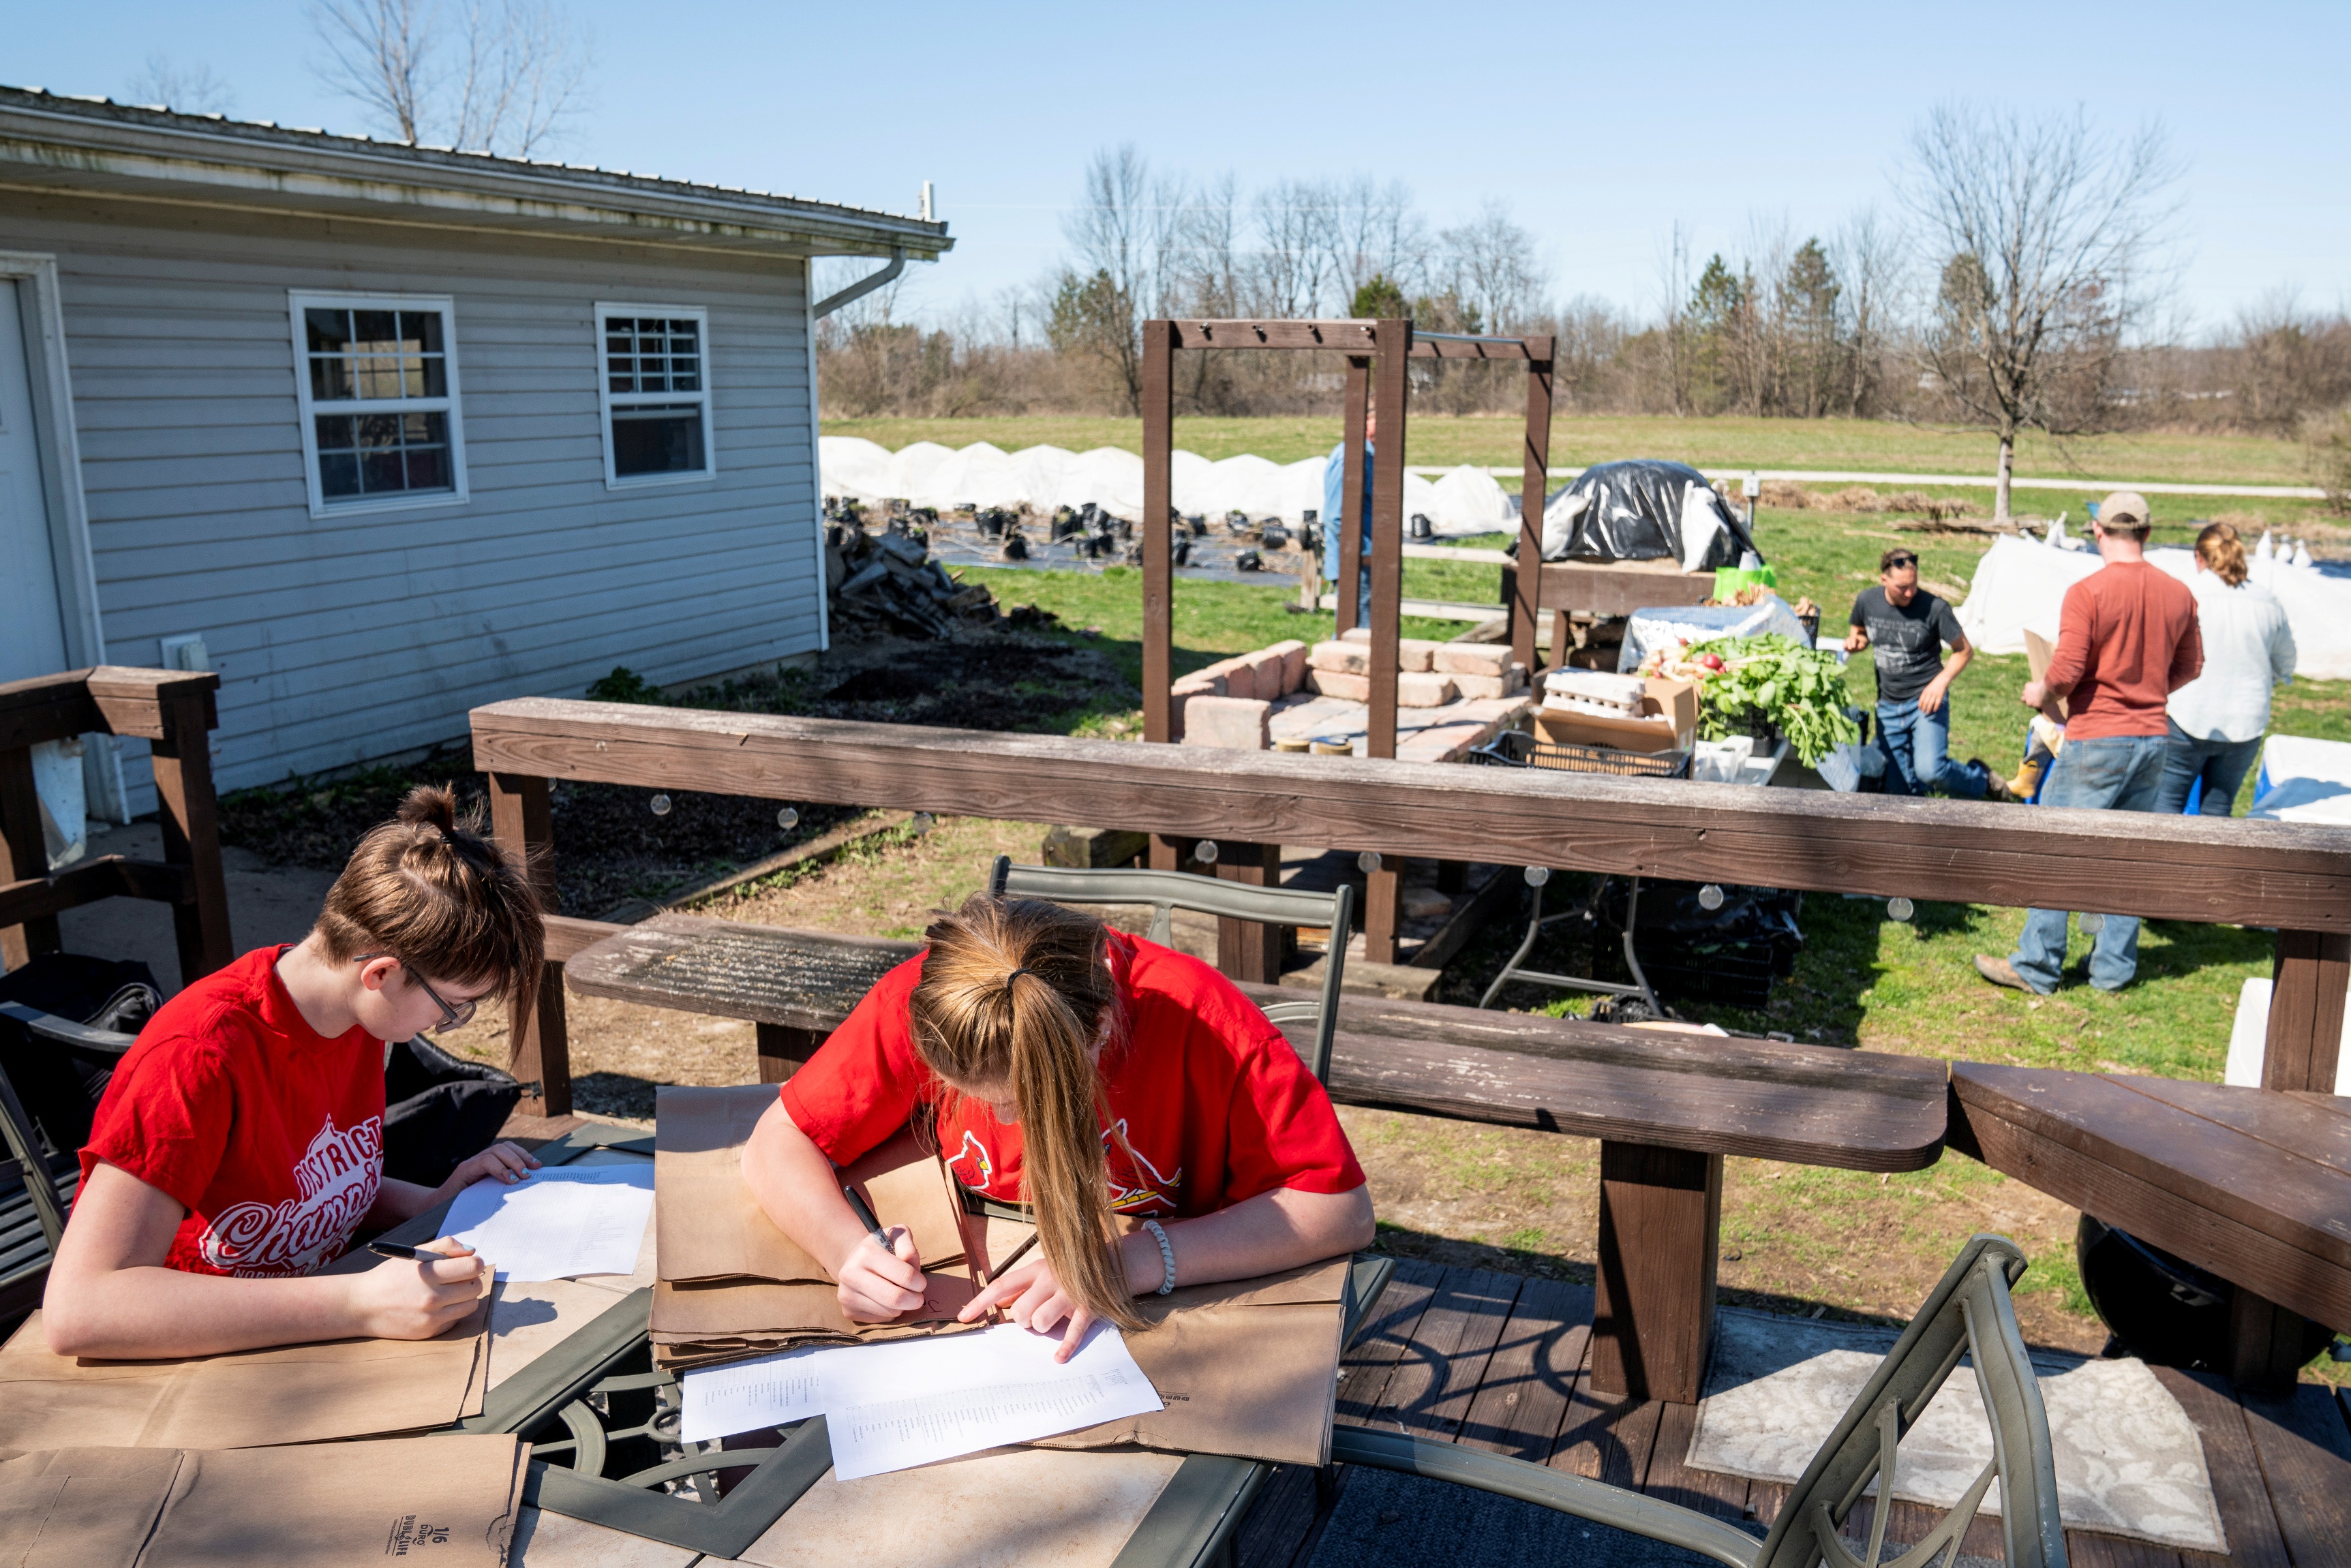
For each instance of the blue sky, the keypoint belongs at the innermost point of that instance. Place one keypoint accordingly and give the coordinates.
(1603, 127)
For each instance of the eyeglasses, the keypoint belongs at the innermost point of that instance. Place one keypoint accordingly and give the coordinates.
(454, 1015)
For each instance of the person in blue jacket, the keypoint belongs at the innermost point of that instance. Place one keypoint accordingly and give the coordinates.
(1334, 496)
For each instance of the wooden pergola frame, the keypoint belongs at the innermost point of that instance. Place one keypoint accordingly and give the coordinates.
(1380, 347)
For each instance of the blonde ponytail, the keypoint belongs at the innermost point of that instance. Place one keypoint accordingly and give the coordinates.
(1012, 996)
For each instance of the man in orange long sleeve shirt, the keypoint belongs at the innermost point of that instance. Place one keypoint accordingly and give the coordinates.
(2126, 640)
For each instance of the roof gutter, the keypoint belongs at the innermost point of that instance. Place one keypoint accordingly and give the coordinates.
(862, 286)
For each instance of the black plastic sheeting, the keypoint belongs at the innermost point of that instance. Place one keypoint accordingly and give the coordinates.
(1632, 510)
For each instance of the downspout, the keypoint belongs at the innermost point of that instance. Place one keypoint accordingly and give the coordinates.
(862, 286)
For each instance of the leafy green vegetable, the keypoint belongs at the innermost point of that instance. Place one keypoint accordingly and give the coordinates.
(1798, 690)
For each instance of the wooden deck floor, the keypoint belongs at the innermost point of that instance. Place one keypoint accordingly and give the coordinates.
(1496, 1361)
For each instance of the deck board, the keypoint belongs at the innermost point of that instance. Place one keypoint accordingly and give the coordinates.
(1496, 1362)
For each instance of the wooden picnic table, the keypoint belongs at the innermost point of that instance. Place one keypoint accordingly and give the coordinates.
(1666, 1107)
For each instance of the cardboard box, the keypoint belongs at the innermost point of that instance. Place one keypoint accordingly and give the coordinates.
(1669, 722)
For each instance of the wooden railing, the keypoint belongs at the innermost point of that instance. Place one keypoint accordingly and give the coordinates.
(174, 709)
(2292, 877)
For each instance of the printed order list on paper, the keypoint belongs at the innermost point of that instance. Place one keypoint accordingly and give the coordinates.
(555, 1224)
(914, 1402)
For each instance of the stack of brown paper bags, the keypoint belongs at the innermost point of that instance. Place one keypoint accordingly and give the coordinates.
(1249, 1367)
(246, 1398)
(448, 1499)
(732, 1285)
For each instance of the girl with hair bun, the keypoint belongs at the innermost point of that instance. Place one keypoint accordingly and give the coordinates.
(240, 1142)
(2215, 723)
(1160, 1131)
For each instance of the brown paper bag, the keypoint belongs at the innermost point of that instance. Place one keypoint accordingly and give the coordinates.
(1249, 1367)
(446, 1499)
(711, 1227)
(291, 1394)
(703, 1325)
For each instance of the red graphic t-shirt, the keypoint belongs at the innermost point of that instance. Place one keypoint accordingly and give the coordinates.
(269, 1134)
(1213, 1103)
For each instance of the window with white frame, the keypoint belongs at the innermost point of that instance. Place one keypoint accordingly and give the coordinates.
(655, 387)
(377, 390)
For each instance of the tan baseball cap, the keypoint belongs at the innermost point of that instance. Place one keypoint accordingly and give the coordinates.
(2124, 509)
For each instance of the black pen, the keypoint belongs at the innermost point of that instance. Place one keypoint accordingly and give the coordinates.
(865, 1217)
(401, 1249)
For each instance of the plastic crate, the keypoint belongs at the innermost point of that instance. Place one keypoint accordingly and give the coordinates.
(1517, 749)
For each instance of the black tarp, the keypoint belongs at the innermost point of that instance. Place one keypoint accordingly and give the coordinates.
(1633, 511)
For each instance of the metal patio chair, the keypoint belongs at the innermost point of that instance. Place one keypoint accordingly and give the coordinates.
(1167, 891)
(1968, 1313)
(37, 1185)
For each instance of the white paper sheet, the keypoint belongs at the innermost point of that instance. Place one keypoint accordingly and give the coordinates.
(556, 1223)
(916, 1401)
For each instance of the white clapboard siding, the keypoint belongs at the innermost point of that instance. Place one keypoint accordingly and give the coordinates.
(352, 636)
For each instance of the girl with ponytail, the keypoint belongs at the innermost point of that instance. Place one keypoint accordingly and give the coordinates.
(1158, 1129)
(240, 1142)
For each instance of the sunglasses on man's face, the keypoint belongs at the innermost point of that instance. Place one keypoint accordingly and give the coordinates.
(453, 1014)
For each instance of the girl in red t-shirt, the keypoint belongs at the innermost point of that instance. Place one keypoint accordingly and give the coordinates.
(1090, 1074)
(240, 1143)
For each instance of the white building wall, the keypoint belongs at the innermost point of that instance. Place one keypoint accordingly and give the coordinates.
(348, 638)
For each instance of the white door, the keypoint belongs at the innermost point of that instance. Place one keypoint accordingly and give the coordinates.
(32, 620)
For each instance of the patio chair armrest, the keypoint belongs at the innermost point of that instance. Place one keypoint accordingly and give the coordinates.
(66, 1032)
(1548, 1487)
(1292, 1011)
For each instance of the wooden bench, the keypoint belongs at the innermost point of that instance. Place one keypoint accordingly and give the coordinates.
(1666, 1107)
(2251, 1184)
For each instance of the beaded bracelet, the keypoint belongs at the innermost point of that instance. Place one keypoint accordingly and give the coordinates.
(1167, 1257)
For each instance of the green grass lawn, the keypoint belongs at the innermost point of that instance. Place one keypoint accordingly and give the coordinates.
(1854, 445)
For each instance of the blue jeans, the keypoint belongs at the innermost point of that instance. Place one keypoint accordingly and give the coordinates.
(2112, 772)
(2219, 766)
(1331, 529)
(1917, 749)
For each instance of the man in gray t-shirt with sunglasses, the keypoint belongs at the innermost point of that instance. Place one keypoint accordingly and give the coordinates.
(1905, 627)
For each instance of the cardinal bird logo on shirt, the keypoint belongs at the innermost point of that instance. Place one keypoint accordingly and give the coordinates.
(338, 1176)
(1135, 1185)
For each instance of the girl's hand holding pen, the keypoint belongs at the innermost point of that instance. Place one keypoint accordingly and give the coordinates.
(878, 1283)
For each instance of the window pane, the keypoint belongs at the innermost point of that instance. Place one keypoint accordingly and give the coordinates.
(338, 474)
(330, 378)
(376, 375)
(656, 441)
(381, 471)
(328, 330)
(376, 331)
(372, 454)
(377, 430)
(336, 433)
(420, 329)
(428, 468)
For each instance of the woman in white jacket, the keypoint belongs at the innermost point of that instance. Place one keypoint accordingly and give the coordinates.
(2217, 719)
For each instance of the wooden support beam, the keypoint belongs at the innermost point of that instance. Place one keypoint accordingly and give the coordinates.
(785, 1050)
(2273, 874)
(1246, 950)
(1383, 899)
(1347, 573)
(1158, 535)
(1526, 581)
(2313, 972)
(1387, 536)
(538, 1045)
(24, 858)
(1653, 1314)
(1355, 337)
(189, 816)
(108, 876)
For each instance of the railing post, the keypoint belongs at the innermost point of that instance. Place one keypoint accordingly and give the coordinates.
(1158, 391)
(24, 856)
(540, 1048)
(189, 816)
(1250, 950)
(1526, 588)
(1346, 573)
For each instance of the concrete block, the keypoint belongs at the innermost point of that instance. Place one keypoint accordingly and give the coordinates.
(1416, 655)
(1472, 658)
(1422, 689)
(1343, 658)
(1197, 684)
(1239, 676)
(1293, 664)
(1504, 685)
(1233, 723)
(1092, 849)
(1264, 668)
(1361, 634)
(1354, 688)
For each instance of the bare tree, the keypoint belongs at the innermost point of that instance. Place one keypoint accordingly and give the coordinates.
(1866, 255)
(1125, 235)
(187, 89)
(1292, 263)
(1373, 230)
(2049, 237)
(1489, 265)
(520, 72)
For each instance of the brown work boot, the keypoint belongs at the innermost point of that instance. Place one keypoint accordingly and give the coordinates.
(1995, 786)
(2000, 972)
(2027, 779)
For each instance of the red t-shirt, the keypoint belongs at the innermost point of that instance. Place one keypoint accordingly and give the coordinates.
(1212, 1100)
(269, 1134)
(2126, 640)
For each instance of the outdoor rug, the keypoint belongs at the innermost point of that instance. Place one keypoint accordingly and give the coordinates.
(2130, 1461)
